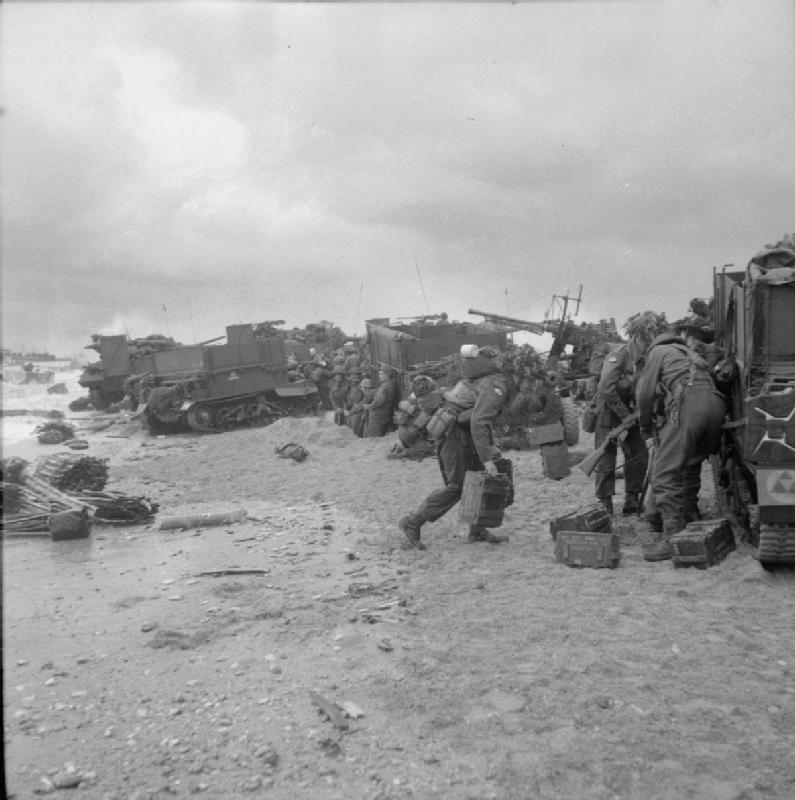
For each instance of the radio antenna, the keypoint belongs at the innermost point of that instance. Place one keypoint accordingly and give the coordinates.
(419, 275)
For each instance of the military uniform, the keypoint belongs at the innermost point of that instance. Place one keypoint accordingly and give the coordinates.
(467, 445)
(691, 431)
(381, 408)
(614, 401)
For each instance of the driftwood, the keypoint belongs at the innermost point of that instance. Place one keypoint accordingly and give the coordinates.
(216, 573)
(201, 520)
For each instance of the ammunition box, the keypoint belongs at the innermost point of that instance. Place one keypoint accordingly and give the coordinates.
(484, 499)
(555, 460)
(703, 544)
(588, 549)
(593, 518)
(545, 434)
(505, 467)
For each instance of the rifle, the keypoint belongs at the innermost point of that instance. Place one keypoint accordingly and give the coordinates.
(588, 464)
(646, 503)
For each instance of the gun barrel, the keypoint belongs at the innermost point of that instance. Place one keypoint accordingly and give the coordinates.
(513, 322)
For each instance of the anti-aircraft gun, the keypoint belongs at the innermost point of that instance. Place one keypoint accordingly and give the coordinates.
(587, 341)
(755, 469)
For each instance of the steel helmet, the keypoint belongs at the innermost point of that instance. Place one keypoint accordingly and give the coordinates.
(646, 323)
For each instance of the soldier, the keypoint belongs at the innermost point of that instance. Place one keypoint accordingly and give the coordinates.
(697, 333)
(468, 444)
(358, 412)
(380, 408)
(338, 392)
(689, 431)
(614, 402)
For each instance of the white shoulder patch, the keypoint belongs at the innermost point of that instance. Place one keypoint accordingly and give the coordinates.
(612, 359)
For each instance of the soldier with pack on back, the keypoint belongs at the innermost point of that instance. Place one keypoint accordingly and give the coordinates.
(614, 403)
(688, 431)
(467, 441)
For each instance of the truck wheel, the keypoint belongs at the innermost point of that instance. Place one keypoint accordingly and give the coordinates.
(570, 421)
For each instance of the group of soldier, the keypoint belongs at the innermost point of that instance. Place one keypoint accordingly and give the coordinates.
(660, 396)
(664, 391)
(362, 396)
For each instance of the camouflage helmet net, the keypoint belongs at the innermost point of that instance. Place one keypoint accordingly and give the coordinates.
(646, 323)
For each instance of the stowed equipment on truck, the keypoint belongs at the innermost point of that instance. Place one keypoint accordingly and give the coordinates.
(755, 469)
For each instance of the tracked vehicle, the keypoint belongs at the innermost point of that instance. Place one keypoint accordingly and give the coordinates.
(755, 469)
(215, 387)
(105, 379)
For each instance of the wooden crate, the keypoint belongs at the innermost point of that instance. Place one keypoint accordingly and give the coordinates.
(484, 499)
(545, 434)
(588, 549)
(555, 460)
(593, 518)
(703, 544)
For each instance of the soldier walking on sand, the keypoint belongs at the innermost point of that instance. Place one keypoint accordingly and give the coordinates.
(468, 444)
(689, 432)
(614, 402)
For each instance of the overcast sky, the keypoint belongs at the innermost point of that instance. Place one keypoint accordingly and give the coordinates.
(176, 167)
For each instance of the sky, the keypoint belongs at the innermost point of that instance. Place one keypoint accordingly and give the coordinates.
(176, 167)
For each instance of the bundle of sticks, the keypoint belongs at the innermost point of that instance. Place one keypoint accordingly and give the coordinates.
(74, 473)
(34, 499)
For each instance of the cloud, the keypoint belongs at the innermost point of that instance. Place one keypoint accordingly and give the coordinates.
(244, 161)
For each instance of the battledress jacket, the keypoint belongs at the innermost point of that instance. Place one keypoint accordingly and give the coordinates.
(493, 396)
(670, 364)
(616, 380)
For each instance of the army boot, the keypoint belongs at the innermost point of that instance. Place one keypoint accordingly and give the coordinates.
(478, 534)
(607, 504)
(410, 527)
(663, 549)
(631, 504)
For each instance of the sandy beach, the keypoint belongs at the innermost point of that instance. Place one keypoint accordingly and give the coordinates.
(145, 663)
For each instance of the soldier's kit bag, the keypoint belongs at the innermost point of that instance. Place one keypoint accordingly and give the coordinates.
(462, 395)
(588, 421)
(485, 497)
(441, 421)
(292, 450)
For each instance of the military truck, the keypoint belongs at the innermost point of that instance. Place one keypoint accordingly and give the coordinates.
(755, 469)
(215, 387)
(410, 347)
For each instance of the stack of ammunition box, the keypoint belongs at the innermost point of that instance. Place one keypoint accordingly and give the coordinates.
(585, 538)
